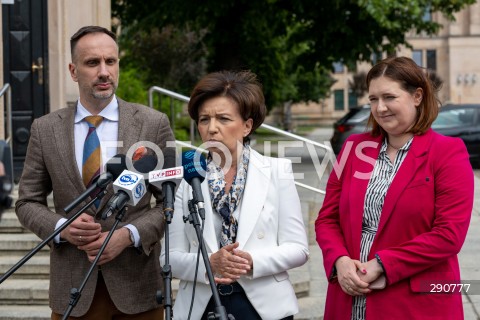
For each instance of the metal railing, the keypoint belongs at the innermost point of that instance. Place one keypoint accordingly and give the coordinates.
(174, 95)
(7, 91)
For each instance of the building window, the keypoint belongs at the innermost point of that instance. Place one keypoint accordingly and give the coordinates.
(352, 99)
(427, 15)
(376, 56)
(432, 60)
(338, 67)
(417, 57)
(339, 100)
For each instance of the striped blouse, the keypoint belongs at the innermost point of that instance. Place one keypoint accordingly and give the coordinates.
(382, 176)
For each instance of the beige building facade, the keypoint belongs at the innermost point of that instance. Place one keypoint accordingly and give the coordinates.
(34, 61)
(453, 53)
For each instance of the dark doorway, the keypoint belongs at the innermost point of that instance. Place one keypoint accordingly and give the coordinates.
(25, 65)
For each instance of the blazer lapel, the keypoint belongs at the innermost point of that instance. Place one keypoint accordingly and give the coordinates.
(128, 128)
(254, 196)
(251, 205)
(405, 174)
(363, 166)
(65, 143)
(209, 233)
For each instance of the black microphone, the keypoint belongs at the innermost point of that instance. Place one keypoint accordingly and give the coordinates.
(167, 179)
(113, 168)
(130, 186)
(194, 171)
(116, 165)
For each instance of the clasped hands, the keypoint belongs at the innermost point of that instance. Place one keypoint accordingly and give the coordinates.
(354, 276)
(229, 264)
(87, 235)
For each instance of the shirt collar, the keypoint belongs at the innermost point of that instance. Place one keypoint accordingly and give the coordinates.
(110, 112)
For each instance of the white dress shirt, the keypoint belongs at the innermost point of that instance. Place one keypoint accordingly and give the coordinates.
(107, 133)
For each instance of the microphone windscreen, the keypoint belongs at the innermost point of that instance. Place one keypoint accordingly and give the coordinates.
(146, 164)
(169, 161)
(139, 153)
(194, 165)
(169, 157)
(116, 165)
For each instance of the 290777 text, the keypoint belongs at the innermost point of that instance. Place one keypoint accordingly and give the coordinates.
(470, 287)
(449, 287)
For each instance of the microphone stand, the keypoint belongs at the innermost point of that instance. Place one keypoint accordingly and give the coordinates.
(220, 311)
(75, 293)
(100, 184)
(167, 269)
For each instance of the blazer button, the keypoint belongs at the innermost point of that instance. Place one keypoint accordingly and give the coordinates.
(260, 235)
(194, 243)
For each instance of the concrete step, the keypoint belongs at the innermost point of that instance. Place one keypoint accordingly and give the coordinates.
(15, 312)
(20, 244)
(311, 308)
(27, 292)
(37, 267)
(10, 224)
(24, 292)
(16, 294)
(28, 299)
(300, 280)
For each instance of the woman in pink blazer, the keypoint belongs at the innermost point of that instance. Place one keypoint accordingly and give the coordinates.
(397, 207)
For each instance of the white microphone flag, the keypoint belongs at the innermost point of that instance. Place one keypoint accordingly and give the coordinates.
(132, 184)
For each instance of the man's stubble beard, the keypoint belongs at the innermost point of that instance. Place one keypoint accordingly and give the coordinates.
(103, 95)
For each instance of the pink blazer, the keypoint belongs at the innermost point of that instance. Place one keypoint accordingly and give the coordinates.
(423, 225)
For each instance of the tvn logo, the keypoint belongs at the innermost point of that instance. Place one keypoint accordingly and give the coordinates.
(128, 179)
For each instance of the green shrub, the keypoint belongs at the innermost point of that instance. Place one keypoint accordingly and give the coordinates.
(131, 87)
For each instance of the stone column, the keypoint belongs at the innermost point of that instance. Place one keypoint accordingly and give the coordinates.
(64, 19)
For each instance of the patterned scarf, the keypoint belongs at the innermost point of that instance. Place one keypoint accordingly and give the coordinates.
(225, 203)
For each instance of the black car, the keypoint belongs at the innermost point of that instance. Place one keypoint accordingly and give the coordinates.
(355, 121)
(455, 120)
(463, 121)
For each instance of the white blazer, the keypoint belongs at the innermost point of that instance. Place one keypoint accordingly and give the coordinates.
(270, 228)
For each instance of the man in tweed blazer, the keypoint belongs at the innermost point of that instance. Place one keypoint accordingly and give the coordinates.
(128, 275)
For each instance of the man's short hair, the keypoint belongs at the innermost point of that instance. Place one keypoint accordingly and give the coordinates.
(87, 30)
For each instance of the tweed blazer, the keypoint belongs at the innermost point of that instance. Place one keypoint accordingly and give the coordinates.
(133, 277)
(422, 227)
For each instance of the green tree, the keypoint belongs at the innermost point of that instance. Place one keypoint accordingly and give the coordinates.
(291, 45)
(166, 56)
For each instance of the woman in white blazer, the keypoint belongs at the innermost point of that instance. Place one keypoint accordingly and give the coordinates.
(253, 228)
